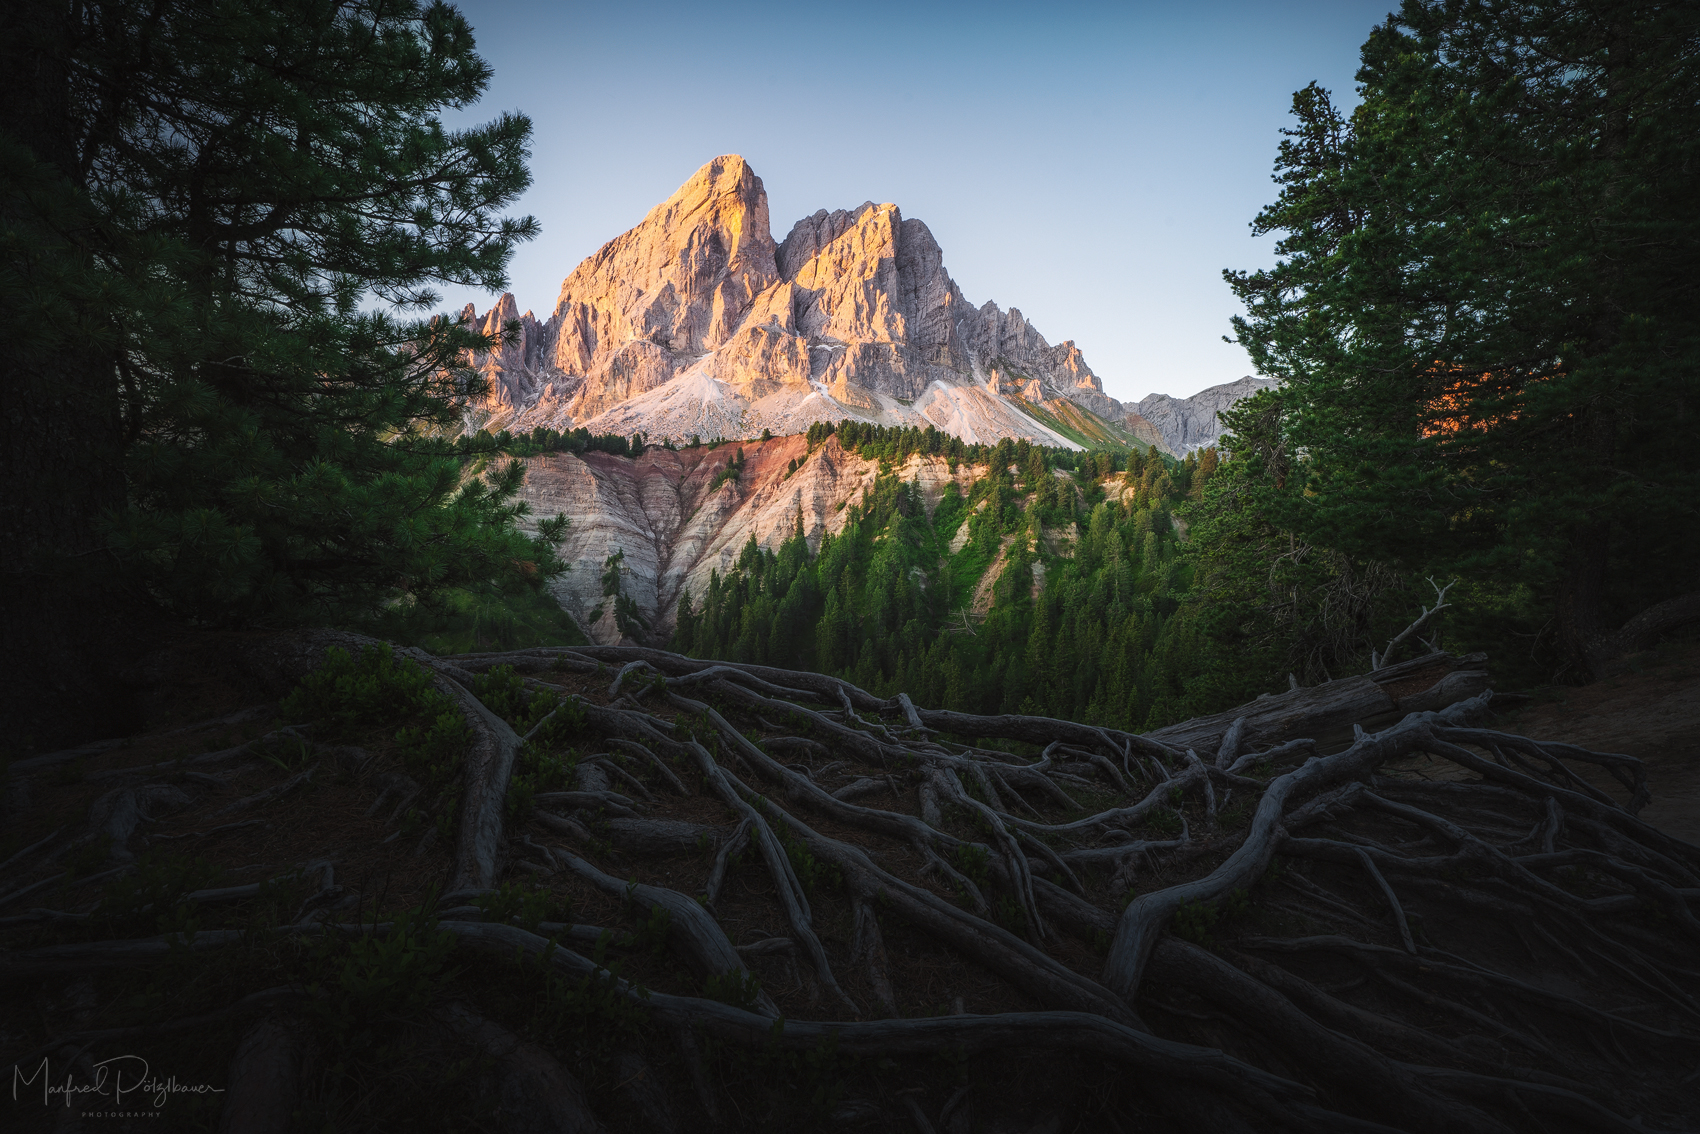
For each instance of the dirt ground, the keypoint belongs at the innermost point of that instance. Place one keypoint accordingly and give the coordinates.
(1648, 707)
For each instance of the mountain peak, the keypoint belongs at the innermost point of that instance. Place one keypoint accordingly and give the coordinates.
(725, 195)
(696, 322)
(1193, 423)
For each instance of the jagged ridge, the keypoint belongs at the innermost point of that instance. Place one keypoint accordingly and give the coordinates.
(696, 322)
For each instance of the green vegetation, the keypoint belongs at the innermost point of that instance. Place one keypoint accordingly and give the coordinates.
(740, 990)
(283, 450)
(1485, 314)
(349, 695)
(543, 440)
(223, 225)
(524, 904)
(461, 621)
(1196, 921)
(549, 723)
(626, 611)
(733, 470)
(946, 606)
(1081, 426)
(377, 700)
(154, 897)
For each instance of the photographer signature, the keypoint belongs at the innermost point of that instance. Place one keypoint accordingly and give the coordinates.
(115, 1078)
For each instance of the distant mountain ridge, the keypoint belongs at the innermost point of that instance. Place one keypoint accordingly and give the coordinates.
(1187, 424)
(695, 322)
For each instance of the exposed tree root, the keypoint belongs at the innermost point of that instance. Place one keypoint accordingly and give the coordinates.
(532, 1090)
(699, 936)
(1076, 1031)
(488, 767)
(264, 1081)
(1507, 951)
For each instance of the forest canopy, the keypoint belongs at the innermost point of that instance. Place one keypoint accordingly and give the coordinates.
(223, 227)
(1486, 320)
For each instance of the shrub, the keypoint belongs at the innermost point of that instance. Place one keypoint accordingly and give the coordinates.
(349, 695)
(362, 986)
(152, 898)
(739, 989)
(362, 697)
(810, 871)
(974, 862)
(525, 905)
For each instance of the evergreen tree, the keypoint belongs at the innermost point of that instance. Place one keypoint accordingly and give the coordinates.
(885, 602)
(202, 202)
(1486, 314)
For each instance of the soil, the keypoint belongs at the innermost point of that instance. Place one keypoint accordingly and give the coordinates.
(1647, 707)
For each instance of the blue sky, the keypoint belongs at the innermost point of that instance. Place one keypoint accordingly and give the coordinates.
(1095, 165)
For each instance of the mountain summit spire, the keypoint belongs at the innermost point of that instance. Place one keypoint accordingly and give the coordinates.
(696, 322)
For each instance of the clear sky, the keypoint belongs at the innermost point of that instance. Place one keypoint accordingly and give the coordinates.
(1095, 165)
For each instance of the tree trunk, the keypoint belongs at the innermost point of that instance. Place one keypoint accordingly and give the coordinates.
(61, 438)
(1590, 642)
(1583, 634)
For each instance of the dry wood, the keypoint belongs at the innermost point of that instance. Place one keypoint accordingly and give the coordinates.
(31, 849)
(660, 766)
(796, 903)
(1568, 878)
(95, 748)
(489, 765)
(258, 799)
(1083, 1032)
(1415, 629)
(534, 1091)
(729, 850)
(1147, 915)
(869, 947)
(264, 1081)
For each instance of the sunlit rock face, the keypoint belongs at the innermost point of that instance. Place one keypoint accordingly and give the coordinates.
(673, 529)
(674, 288)
(513, 370)
(696, 322)
(1142, 430)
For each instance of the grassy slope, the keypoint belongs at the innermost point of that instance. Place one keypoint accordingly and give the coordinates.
(1081, 425)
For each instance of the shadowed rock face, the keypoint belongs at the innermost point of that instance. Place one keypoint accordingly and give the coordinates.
(659, 510)
(1192, 423)
(695, 321)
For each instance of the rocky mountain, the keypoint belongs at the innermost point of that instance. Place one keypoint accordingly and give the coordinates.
(1185, 424)
(673, 524)
(697, 322)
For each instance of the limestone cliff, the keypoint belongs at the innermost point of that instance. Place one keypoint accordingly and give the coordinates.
(673, 528)
(1192, 423)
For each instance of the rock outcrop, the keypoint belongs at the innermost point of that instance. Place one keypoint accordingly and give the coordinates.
(515, 369)
(696, 322)
(1192, 423)
(1143, 431)
(674, 525)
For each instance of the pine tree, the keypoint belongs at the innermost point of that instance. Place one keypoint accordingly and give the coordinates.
(204, 203)
(1487, 311)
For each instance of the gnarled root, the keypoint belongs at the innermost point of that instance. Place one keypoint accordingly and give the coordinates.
(1490, 952)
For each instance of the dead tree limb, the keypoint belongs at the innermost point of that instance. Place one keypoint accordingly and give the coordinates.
(1379, 661)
